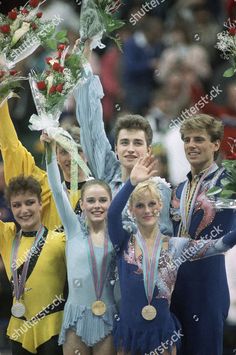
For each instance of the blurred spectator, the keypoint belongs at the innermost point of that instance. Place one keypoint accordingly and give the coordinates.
(181, 53)
(140, 60)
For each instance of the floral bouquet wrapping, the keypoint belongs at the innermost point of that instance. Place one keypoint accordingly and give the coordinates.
(225, 196)
(21, 32)
(50, 90)
(9, 81)
(97, 19)
(227, 45)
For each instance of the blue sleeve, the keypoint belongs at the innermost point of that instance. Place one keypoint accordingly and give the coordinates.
(65, 210)
(198, 249)
(117, 234)
(96, 147)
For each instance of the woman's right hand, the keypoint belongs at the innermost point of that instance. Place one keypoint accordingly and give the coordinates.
(144, 169)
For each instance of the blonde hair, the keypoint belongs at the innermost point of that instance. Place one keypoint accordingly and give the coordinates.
(142, 187)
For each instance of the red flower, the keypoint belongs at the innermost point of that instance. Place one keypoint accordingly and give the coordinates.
(231, 156)
(5, 28)
(2, 73)
(12, 14)
(41, 85)
(52, 89)
(56, 67)
(33, 3)
(39, 14)
(34, 26)
(232, 31)
(59, 87)
(61, 47)
(13, 72)
(24, 11)
(48, 59)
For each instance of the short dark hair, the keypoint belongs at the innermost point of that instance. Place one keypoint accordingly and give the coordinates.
(96, 182)
(22, 184)
(136, 122)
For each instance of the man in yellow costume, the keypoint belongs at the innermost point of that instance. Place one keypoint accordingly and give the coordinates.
(17, 160)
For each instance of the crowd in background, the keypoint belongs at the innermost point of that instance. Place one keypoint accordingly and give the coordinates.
(167, 69)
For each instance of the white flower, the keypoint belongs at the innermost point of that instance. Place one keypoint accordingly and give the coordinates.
(49, 81)
(20, 32)
(226, 43)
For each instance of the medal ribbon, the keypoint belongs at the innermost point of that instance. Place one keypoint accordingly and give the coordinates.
(186, 216)
(98, 282)
(19, 282)
(150, 267)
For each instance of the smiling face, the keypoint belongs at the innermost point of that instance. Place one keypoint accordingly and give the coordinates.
(131, 145)
(199, 149)
(145, 208)
(95, 203)
(26, 208)
(64, 161)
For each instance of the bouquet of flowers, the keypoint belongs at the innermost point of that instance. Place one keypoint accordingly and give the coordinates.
(22, 31)
(50, 90)
(227, 44)
(96, 19)
(9, 80)
(51, 87)
(226, 195)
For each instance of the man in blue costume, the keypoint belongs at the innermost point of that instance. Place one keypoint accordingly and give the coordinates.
(201, 298)
(133, 137)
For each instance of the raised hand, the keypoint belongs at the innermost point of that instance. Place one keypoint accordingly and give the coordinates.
(144, 169)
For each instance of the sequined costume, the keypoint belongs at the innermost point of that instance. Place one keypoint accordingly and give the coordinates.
(77, 313)
(201, 298)
(132, 332)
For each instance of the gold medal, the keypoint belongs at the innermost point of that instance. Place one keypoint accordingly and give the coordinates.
(149, 312)
(18, 309)
(98, 308)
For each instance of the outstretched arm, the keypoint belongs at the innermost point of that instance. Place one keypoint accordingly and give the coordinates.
(198, 249)
(17, 160)
(65, 210)
(101, 159)
(143, 170)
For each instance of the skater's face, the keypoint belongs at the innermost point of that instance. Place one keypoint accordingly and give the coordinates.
(131, 145)
(26, 208)
(199, 149)
(64, 161)
(95, 203)
(145, 209)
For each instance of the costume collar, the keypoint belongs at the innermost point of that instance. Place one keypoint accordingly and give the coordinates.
(211, 171)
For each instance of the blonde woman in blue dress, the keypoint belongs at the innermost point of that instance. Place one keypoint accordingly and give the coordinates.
(90, 307)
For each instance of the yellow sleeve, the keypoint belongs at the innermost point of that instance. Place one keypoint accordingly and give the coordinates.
(17, 160)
